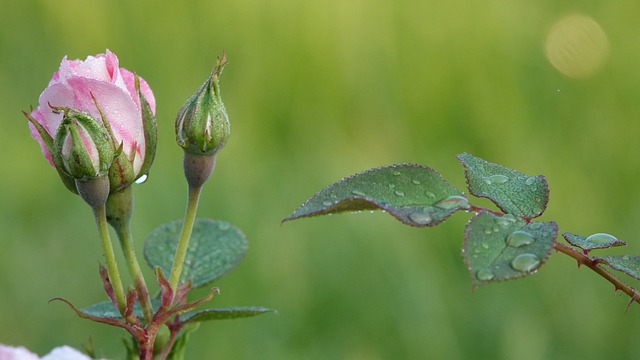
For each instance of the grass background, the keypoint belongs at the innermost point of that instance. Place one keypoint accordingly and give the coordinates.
(317, 90)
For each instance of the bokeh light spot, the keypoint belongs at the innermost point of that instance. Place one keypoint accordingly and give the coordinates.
(577, 46)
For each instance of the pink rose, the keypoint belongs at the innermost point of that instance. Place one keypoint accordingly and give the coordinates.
(113, 88)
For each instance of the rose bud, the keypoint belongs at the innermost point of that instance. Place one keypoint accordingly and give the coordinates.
(202, 128)
(82, 152)
(202, 124)
(100, 88)
(84, 146)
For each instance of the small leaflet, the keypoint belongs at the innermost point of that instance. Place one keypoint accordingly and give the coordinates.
(628, 264)
(500, 248)
(594, 241)
(222, 314)
(512, 191)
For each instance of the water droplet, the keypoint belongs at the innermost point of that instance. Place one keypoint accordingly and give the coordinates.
(626, 257)
(327, 203)
(525, 262)
(399, 193)
(453, 202)
(223, 225)
(520, 238)
(488, 231)
(358, 193)
(530, 180)
(430, 194)
(420, 218)
(416, 181)
(601, 238)
(141, 179)
(496, 179)
(334, 196)
(484, 275)
(396, 173)
(506, 220)
(391, 186)
(535, 225)
(485, 246)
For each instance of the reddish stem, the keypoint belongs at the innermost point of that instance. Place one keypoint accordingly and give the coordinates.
(583, 259)
(593, 265)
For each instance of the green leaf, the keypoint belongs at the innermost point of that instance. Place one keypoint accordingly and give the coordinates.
(214, 249)
(223, 314)
(106, 309)
(415, 195)
(628, 264)
(500, 248)
(595, 241)
(512, 191)
(180, 346)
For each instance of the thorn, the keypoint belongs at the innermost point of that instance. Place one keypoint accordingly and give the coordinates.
(634, 298)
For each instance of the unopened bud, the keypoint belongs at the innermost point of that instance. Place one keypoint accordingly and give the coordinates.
(83, 146)
(202, 124)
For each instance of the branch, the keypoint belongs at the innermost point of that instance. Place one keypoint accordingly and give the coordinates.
(593, 265)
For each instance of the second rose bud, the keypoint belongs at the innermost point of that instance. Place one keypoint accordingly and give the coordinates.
(202, 128)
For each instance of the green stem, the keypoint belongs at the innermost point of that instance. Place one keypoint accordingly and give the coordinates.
(112, 266)
(124, 234)
(185, 234)
(119, 211)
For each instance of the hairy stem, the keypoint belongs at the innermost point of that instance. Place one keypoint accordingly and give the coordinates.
(593, 265)
(124, 234)
(185, 234)
(119, 211)
(112, 267)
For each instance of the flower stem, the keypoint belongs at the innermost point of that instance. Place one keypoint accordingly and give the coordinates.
(593, 265)
(124, 234)
(112, 266)
(185, 234)
(119, 210)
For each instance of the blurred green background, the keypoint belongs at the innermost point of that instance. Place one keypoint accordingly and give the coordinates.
(317, 90)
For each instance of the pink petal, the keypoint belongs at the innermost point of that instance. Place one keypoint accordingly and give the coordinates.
(129, 81)
(119, 109)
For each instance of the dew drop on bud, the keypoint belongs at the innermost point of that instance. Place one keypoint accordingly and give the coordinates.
(141, 179)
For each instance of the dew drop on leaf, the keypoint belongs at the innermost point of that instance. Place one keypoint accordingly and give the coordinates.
(520, 238)
(420, 218)
(601, 238)
(496, 179)
(399, 193)
(484, 275)
(525, 262)
(506, 220)
(358, 193)
(530, 180)
(452, 202)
